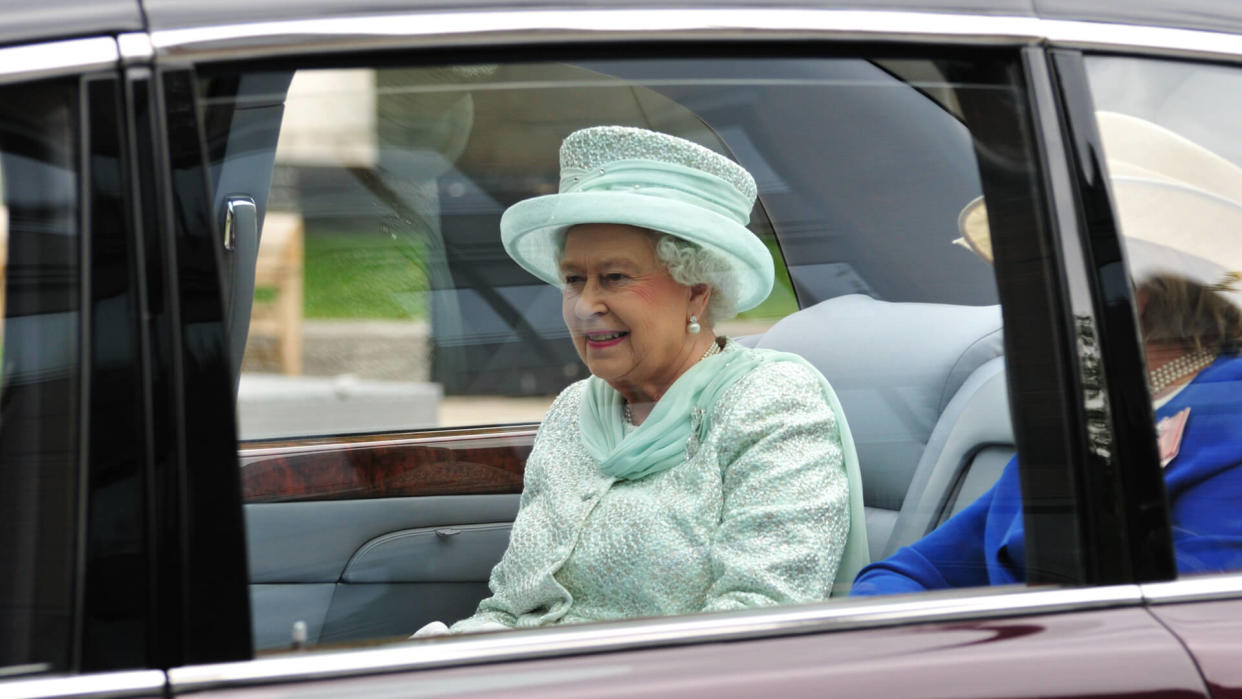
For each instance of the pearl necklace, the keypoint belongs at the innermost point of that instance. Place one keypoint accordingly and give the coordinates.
(714, 349)
(1172, 371)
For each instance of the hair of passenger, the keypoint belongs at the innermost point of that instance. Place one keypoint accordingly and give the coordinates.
(1181, 310)
(690, 264)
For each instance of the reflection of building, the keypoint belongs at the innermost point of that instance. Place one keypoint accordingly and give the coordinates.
(329, 120)
(276, 316)
(279, 406)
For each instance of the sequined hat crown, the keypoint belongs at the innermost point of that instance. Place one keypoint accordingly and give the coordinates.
(632, 176)
(588, 150)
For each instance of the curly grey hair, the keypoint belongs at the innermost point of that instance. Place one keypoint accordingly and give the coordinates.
(689, 264)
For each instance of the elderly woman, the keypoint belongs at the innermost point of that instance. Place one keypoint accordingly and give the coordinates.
(688, 473)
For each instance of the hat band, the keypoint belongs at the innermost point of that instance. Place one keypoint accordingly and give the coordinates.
(664, 180)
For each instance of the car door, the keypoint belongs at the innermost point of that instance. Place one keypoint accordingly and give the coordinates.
(118, 435)
(77, 598)
(1183, 101)
(835, 235)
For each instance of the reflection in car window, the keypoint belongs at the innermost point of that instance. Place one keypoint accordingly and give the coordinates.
(39, 375)
(380, 298)
(388, 185)
(1174, 157)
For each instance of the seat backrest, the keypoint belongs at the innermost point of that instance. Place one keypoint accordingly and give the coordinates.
(967, 450)
(895, 367)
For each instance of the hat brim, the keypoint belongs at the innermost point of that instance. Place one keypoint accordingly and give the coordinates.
(1169, 227)
(532, 231)
(1189, 232)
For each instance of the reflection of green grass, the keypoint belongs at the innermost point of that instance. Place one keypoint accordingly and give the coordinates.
(368, 275)
(781, 302)
(363, 275)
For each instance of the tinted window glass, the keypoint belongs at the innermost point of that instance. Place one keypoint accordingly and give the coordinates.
(379, 298)
(39, 375)
(1174, 153)
(380, 279)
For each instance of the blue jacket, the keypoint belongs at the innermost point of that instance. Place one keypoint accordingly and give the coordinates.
(984, 543)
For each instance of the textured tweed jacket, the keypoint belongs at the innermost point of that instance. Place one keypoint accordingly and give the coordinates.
(756, 515)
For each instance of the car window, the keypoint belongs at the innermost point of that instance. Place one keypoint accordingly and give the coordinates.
(1174, 159)
(377, 298)
(380, 290)
(380, 286)
(39, 375)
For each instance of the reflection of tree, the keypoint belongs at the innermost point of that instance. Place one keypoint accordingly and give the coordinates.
(1092, 373)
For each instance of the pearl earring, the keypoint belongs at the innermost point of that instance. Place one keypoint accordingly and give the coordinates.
(694, 326)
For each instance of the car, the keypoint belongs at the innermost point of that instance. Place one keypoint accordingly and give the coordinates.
(269, 380)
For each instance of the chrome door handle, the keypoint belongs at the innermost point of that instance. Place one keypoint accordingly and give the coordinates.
(239, 211)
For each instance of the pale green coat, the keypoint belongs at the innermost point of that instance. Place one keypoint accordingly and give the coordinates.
(755, 516)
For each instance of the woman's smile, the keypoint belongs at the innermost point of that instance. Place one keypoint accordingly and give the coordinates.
(598, 340)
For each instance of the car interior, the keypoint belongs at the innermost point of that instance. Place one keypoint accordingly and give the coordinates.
(364, 534)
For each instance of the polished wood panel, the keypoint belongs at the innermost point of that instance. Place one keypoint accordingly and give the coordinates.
(450, 462)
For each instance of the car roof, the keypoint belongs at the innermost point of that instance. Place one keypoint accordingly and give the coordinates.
(26, 21)
(1218, 15)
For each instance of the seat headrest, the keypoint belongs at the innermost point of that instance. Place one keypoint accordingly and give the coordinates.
(895, 366)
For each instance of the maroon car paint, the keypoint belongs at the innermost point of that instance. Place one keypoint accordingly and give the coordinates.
(1211, 631)
(1114, 652)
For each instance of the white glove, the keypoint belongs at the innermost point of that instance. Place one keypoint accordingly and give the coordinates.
(435, 628)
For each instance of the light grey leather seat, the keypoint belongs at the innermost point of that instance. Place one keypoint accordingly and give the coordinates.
(917, 382)
(967, 450)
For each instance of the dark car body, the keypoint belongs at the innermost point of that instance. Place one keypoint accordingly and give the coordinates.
(150, 572)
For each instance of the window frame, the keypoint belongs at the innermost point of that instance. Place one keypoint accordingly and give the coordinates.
(81, 64)
(202, 607)
(1130, 512)
(1045, 286)
(1144, 504)
(1067, 182)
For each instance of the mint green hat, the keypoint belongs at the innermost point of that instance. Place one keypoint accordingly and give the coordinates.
(621, 174)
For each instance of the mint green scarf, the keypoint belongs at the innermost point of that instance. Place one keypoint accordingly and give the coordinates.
(660, 442)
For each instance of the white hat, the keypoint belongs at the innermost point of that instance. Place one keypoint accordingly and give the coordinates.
(1179, 205)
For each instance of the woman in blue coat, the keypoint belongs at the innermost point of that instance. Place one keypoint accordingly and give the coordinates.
(1193, 334)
